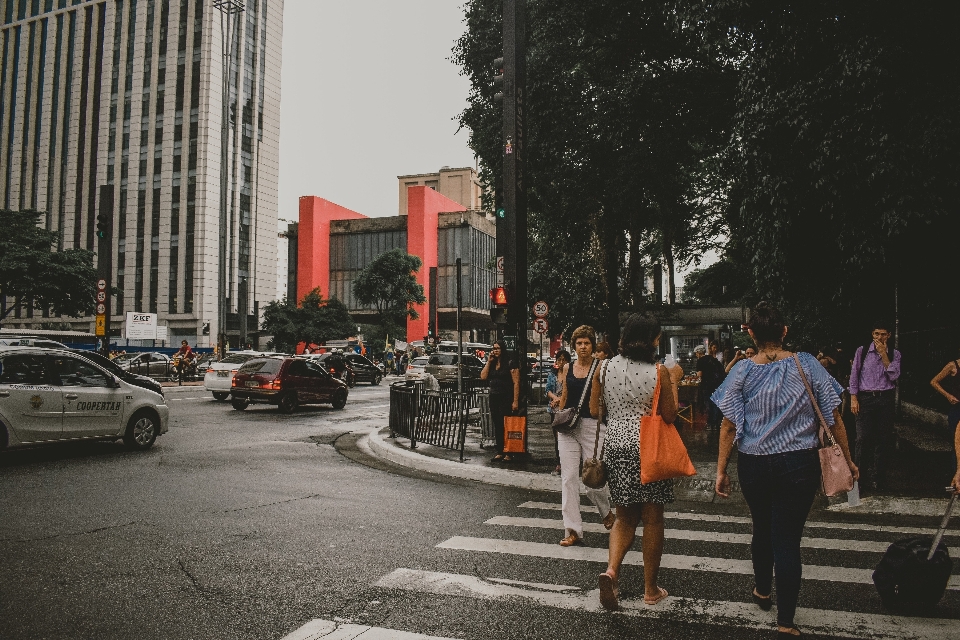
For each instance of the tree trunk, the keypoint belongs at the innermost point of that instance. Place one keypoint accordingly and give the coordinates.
(671, 273)
(610, 263)
(635, 277)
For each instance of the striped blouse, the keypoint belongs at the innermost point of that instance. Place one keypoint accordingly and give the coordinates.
(769, 405)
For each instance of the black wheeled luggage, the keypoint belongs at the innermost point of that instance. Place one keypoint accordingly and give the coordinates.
(909, 577)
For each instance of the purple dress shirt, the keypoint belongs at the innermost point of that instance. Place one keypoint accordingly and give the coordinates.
(875, 377)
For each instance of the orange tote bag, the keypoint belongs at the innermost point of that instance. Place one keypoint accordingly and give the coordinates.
(514, 434)
(662, 453)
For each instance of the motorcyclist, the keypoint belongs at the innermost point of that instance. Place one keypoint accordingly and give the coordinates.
(184, 357)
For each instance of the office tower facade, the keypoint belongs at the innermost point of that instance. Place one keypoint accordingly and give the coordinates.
(130, 93)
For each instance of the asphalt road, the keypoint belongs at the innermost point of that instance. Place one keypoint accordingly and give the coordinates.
(251, 524)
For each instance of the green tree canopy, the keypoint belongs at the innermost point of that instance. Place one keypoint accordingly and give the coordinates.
(34, 272)
(388, 283)
(314, 320)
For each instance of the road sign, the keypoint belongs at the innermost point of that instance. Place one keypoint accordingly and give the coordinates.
(101, 296)
(499, 271)
(102, 284)
(541, 309)
(510, 342)
(541, 326)
(101, 325)
(101, 309)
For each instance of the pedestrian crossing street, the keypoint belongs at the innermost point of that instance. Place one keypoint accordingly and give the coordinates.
(844, 554)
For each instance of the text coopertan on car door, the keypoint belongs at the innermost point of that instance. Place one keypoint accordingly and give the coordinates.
(92, 399)
(28, 402)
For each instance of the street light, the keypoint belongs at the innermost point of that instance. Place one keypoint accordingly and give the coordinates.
(230, 11)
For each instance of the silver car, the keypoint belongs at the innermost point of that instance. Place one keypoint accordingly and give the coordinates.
(153, 364)
(48, 395)
(416, 368)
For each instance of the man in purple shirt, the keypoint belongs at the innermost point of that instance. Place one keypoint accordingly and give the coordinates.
(873, 382)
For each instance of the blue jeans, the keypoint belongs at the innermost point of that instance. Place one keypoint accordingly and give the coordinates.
(779, 489)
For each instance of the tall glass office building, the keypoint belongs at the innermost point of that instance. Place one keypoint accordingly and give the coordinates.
(129, 93)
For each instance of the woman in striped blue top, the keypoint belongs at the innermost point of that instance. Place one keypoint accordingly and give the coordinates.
(768, 415)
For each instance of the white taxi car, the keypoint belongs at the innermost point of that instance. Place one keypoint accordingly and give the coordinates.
(48, 395)
(218, 378)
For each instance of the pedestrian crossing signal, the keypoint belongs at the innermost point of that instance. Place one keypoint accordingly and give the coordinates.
(498, 296)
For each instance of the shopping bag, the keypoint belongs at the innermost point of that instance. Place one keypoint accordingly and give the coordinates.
(662, 452)
(514, 434)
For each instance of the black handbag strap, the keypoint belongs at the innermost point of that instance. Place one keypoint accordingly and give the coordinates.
(603, 410)
(586, 384)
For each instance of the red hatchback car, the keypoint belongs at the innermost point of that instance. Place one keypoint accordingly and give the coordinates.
(287, 383)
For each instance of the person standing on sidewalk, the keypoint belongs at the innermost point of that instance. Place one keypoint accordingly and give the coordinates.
(769, 416)
(947, 384)
(628, 382)
(873, 383)
(711, 374)
(503, 372)
(554, 392)
(577, 444)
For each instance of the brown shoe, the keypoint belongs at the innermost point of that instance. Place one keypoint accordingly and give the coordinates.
(609, 520)
(571, 540)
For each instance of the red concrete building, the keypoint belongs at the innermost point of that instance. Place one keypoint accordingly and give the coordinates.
(332, 244)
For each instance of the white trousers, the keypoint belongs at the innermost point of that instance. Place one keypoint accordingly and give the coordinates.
(576, 446)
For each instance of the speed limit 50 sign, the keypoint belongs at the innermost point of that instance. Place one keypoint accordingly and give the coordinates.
(541, 309)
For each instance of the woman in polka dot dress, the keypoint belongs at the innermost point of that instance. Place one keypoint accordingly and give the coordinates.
(628, 383)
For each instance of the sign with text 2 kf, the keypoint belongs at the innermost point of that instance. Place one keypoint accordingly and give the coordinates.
(141, 326)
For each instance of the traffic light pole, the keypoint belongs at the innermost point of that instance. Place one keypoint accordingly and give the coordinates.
(104, 268)
(512, 228)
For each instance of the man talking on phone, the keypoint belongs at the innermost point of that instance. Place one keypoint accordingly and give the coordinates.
(873, 383)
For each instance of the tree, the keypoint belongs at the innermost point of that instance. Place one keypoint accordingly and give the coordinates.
(388, 283)
(314, 320)
(34, 273)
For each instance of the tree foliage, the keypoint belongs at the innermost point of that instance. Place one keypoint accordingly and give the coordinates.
(815, 143)
(388, 283)
(315, 320)
(34, 273)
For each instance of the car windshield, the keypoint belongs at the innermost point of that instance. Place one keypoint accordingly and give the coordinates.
(266, 365)
(236, 358)
(420, 362)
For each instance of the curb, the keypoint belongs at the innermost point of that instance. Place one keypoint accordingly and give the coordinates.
(380, 448)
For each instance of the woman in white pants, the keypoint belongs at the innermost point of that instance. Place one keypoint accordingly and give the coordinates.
(577, 445)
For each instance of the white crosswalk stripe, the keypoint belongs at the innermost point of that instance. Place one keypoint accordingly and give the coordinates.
(332, 630)
(837, 544)
(684, 527)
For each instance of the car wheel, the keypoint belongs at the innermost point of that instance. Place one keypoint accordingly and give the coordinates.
(221, 395)
(240, 403)
(141, 430)
(376, 379)
(288, 403)
(340, 399)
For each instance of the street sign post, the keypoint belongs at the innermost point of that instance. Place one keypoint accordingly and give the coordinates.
(541, 309)
(541, 326)
(101, 319)
(499, 271)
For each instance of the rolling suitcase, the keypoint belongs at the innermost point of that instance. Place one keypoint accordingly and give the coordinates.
(914, 572)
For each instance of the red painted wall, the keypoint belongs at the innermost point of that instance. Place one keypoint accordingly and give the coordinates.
(423, 208)
(313, 252)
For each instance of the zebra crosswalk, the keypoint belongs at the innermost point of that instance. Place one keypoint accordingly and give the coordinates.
(844, 555)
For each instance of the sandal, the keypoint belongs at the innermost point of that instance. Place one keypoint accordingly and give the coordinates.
(507, 458)
(652, 601)
(786, 635)
(764, 602)
(609, 592)
(497, 458)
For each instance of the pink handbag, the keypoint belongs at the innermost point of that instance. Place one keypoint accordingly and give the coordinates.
(836, 474)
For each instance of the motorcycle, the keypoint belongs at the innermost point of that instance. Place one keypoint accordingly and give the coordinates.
(185, 368)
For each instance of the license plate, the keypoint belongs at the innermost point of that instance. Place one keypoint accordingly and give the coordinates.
(222, 373)
(252, 383)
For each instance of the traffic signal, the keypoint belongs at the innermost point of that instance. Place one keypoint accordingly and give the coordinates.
(501, 212)
(104, 224)
(498, 79)
(498, 296)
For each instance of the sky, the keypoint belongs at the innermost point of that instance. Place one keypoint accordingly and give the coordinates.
(368, 93)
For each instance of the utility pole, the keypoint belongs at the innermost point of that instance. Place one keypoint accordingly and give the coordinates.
(512, 206)
(230, 11)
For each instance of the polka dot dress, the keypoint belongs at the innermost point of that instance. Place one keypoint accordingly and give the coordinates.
(628, 394)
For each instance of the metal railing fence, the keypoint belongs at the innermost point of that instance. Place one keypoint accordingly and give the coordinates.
(437, 418)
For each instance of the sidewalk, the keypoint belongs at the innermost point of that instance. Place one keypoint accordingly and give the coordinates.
(917, 485)
(533, 469)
